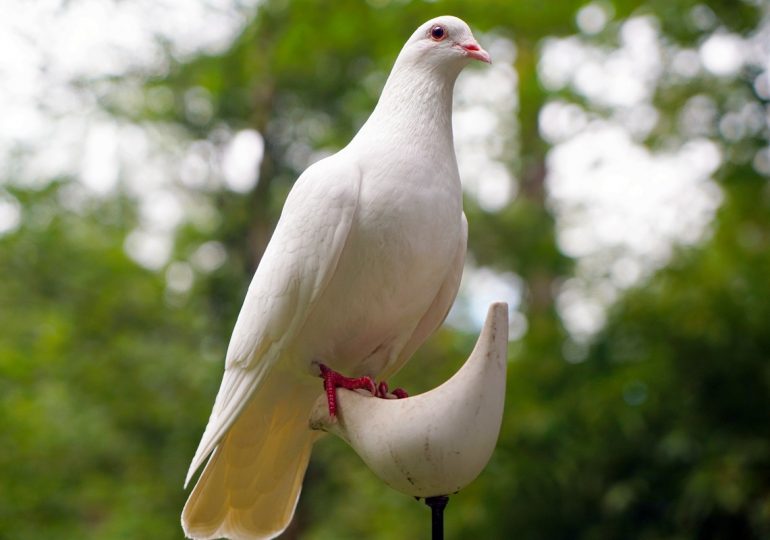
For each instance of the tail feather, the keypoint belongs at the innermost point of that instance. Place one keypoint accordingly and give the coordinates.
(251, 484)
(235, 392)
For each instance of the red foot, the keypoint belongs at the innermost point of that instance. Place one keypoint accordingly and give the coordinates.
(400, 393)
(382, 391)
(333, 380)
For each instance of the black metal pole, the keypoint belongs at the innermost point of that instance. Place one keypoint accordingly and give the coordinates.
(437, 505)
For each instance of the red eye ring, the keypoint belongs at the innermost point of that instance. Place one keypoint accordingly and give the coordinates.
(437, 33)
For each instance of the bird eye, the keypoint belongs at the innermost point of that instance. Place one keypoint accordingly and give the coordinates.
(437, 33)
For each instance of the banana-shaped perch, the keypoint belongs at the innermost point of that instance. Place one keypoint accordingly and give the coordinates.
(434, 443)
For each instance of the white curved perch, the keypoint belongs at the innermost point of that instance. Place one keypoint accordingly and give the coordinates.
(434, 443)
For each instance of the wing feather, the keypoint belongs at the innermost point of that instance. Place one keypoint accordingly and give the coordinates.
(298, 263)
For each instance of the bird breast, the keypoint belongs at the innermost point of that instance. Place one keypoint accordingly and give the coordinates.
(400, 248)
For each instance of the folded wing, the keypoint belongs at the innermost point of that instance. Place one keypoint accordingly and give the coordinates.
(297, 265)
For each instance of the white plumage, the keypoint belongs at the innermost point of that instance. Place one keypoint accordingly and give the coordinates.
(363, 266)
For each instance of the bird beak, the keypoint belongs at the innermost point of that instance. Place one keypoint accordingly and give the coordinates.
(473, 50)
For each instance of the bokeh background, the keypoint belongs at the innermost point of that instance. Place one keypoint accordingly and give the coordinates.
(616, 166)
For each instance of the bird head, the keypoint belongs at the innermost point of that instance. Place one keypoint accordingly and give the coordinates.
(444, 41)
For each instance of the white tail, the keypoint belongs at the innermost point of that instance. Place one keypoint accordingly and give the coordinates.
(250, 486)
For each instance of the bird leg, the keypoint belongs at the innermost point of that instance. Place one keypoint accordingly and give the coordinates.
(382, 392)
(334, 380)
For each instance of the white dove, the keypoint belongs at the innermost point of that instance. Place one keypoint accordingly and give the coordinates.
(363, 266)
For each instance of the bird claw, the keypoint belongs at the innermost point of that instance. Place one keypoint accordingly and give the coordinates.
(400, 393)
(384, 393)
(334, 380)
(382, 390)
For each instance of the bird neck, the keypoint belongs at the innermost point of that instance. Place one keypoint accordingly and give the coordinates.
(416, 103)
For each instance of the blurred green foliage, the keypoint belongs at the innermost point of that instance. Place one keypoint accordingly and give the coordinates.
(662, 430)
